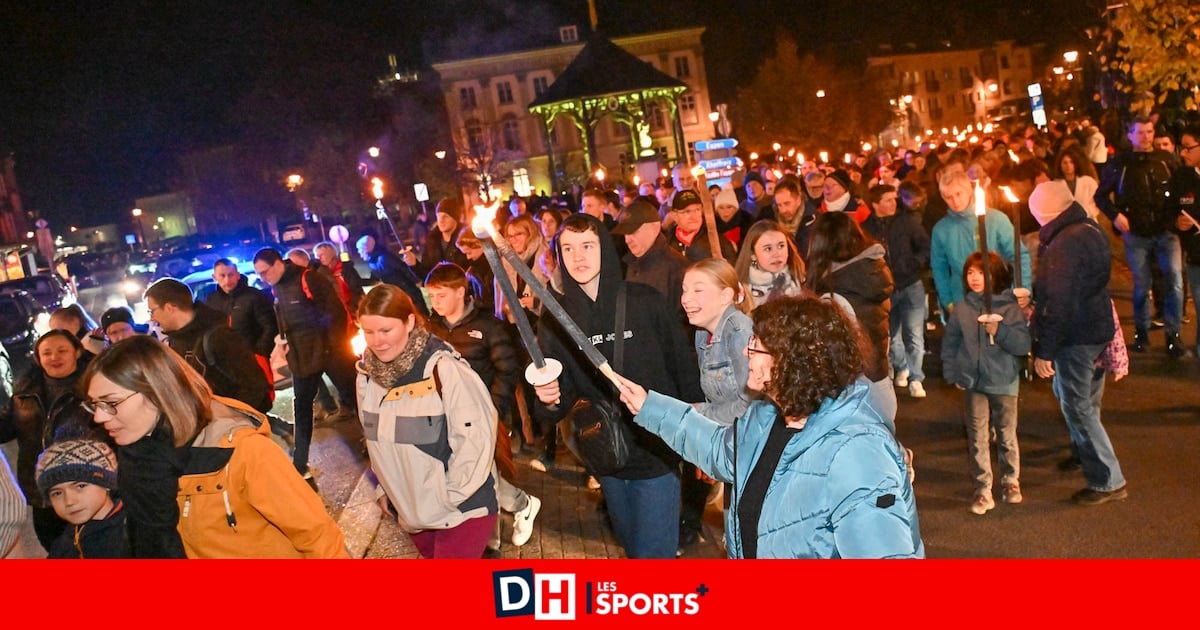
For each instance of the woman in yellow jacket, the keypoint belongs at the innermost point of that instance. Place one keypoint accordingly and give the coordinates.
(236, 493)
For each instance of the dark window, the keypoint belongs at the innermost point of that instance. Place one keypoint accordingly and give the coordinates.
(504, 93)
(466, 98)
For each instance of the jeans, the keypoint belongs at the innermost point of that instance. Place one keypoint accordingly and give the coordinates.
(1193, 274)
(907, 321)
(1163, 249)
(1079, 386)
(304, 389)
(980, 412)
(644, 514)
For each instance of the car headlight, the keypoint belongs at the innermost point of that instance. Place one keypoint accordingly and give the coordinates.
(131, 287)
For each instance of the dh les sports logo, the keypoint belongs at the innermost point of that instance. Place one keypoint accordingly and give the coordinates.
(546, 596)
(552, 597)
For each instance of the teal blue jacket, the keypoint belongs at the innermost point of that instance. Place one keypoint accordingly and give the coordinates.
(841, 488)
(955, 237)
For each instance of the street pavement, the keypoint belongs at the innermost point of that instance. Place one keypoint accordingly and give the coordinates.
(1152, 416)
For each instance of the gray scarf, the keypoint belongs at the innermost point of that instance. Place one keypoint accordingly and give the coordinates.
(388, 374)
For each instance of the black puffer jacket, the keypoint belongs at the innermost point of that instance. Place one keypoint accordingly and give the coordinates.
(487, 344)
(866, 283)
(41, 412)
(907, 245)
(250, 315)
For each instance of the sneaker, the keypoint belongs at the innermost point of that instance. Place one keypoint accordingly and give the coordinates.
(1141, 342)
(1012, 494)
(902, 378)
(540, 464)
(983, 502)
(1087, 496)
(523, 521)
(916, 389)
(1157, 323)
(1176, 349)
(593, 483)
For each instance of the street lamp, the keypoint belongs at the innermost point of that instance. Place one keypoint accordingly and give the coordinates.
(439, 154)
(373, 152)
(820, 93)
(137, 222)
(1071, 56)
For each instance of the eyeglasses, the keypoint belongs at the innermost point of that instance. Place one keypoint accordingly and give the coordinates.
(1187, 148)
(108, 407)
(750, 349)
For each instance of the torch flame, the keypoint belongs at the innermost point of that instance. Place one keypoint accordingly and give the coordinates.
(698, 171)
(980, 203)
(1012, 155)
(481, 225)
(1008, 194)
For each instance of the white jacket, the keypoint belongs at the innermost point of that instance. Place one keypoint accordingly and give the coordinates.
(431, 453)
(1085, 194)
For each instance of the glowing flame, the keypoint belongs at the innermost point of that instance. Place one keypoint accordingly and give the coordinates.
(481, 225)
(377, 187)
(980, 203)
(698, 171)
(1008, 194)
(799, 158)
(753, 155)
(600, 175)
(1012, 155)
(637, 181)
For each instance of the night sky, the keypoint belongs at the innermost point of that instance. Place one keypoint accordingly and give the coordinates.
(98, 102)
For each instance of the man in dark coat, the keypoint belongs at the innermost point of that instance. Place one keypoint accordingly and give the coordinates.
(201, 335)
(1072, 324)
(248, 309)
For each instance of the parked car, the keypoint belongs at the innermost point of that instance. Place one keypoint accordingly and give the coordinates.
(22, 321)
(48, 289)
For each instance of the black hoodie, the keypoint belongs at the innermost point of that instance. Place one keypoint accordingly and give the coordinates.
(656, 353)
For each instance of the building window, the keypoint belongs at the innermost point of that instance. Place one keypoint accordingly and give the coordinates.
(620, 131)
(568, 34)
(1004, 62)
(466, 98)
(540, 85)
(682, 69)
(1007, 87)
(511, 133)
(947, 74)
(504, 93)
(521, 182)
(965, 80)
(1020, 57)
(475, 137)
(687, 109)
(656, 117)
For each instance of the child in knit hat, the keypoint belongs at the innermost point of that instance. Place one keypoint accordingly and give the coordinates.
(78, 478)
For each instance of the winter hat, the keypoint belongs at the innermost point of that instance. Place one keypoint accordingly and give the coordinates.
(118, 314)
(727, 197)
(843, 178)
(754, 176)
(1049, 200)
(89, 461)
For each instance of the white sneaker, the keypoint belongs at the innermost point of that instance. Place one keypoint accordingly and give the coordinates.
(537, 464)
(916, 389)
(902, 378)
(523, 521)
(983, 502)
(593, 483)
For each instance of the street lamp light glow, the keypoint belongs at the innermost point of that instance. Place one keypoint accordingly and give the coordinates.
(866, 146)
(753, 155)
(776, 146)
(820, 93)
(294, 181)
(439, 154)
(137, 212)
(714, 116)
(373, 152)
(1071, 56)
(908, 98)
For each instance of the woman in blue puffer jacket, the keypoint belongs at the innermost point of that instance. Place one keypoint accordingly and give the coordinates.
(817, 472)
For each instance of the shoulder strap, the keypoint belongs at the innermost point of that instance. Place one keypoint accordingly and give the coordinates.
(205, 346)
(619, 348)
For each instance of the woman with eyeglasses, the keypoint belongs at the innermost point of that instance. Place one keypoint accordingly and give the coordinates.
(816, 471)
(43, 406)
(199, 473)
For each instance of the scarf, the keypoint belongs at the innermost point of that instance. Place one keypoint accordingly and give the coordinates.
(766, 286)
(791, 226)
(839, 204)
(389, 373)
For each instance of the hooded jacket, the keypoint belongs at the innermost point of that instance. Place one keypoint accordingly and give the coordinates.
(241, 497)
(971, 360)
(250, 315)
(866, 283)
(487, 345)
(1072, 305)
(225, 360)
(841, 487)
(955, 238)
(657, 355)
(431, 439)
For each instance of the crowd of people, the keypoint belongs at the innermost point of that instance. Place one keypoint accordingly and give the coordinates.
(761, 364)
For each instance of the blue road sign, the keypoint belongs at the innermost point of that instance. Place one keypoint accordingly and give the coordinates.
(716, 145)
(719, 163)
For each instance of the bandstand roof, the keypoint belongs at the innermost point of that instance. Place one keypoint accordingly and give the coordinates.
(603, 68)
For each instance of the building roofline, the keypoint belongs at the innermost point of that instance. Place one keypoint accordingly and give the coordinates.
(572, 48)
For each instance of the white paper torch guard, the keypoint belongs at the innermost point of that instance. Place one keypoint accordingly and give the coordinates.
(544, 376)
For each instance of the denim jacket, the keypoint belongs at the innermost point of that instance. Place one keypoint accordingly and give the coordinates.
(724, 368)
